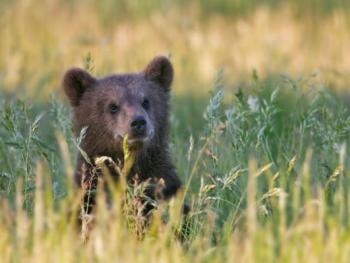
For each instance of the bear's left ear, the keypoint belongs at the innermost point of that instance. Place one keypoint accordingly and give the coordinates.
(161, 71)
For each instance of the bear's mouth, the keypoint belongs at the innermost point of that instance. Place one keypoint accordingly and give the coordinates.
(137, 143)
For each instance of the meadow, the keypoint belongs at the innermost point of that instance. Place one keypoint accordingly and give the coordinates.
(259, 129)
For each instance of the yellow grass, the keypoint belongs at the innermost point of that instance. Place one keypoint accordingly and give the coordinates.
(41, 39)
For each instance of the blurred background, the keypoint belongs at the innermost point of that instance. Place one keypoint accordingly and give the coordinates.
(40, 39)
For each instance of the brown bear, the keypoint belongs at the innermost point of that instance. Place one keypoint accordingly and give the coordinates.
(135, 105)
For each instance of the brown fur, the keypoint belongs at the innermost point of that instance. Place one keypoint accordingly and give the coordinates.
(93, 101)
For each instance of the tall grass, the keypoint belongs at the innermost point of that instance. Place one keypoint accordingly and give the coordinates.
(265, 175)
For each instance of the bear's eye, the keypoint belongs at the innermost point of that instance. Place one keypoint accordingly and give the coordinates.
(113, 108)
(145, 104)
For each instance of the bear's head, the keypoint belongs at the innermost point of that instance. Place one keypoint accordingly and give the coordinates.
(133, 104)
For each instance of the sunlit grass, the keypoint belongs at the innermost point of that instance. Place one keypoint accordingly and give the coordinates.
(51, 235)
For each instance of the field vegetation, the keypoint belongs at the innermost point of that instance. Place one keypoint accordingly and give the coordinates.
(260, 129)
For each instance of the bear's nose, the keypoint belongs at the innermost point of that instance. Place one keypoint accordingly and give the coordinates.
(138, 125)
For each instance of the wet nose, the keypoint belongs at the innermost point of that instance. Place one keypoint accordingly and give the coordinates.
(138, 125)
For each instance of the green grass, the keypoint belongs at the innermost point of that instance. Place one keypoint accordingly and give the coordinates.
(266, 169)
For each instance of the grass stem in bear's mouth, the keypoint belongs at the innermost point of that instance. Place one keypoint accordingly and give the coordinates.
(129, 157)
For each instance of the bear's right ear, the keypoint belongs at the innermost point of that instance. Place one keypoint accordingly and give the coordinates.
(75, 83)
(161, 71)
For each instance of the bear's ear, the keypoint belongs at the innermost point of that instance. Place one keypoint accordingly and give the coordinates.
(75, 83)
(161, 71)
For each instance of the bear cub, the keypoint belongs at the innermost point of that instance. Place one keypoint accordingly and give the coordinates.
(135, 105)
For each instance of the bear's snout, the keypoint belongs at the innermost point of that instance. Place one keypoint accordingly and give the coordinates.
(138, 126)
